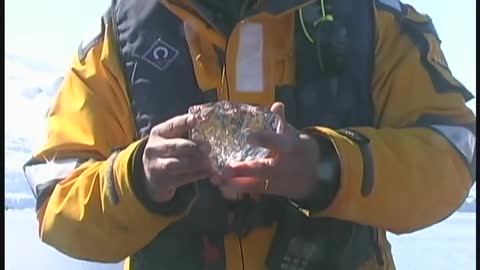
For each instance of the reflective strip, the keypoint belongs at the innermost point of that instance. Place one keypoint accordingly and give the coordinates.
(51, 170)
(462, 138)
(395, 4)
(249, 71)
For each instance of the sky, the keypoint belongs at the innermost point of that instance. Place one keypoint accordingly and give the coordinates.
(41, 38)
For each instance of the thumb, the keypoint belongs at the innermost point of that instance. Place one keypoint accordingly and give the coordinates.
(279, 108)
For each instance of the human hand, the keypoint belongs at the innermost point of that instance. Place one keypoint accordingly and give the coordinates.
(290, 172)
(170, 161)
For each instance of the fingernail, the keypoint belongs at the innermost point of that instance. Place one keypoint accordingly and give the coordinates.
(233, 164)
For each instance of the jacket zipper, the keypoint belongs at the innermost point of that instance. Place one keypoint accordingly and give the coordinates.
(241, 252)
(225, 60)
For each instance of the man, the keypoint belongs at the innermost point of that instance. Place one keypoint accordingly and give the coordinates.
(377, 138)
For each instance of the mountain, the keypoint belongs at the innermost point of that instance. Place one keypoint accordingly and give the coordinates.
(19, 201)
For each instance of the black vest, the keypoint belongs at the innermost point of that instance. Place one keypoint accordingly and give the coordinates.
(161, 81)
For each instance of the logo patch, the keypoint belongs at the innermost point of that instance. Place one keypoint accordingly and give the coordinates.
(160, 55)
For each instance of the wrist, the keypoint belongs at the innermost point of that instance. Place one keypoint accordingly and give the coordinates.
(326, 176)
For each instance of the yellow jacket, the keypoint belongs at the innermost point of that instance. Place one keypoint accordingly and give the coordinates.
(421, 145)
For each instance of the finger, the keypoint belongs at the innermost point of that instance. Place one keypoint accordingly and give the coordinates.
(192, 177)
(279, 109)
(262, 168)
(175, 127)
(178, 181)
(273, 141)
(184, 165)
(244, 185)
(181, 147)
(204, 146)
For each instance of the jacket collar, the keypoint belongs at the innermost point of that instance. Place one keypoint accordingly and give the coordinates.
(279, 7)
(271, 7)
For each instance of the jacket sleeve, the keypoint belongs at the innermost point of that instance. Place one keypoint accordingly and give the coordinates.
(415, 167)
(89, 203)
